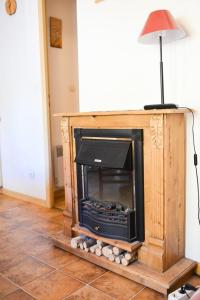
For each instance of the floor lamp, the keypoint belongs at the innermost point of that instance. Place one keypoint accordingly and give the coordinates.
(160, 28)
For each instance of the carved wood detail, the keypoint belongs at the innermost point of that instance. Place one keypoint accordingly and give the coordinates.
(64, 130)
(156, 125)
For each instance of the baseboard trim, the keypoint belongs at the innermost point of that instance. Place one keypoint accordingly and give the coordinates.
(197, 270)
(25, 198)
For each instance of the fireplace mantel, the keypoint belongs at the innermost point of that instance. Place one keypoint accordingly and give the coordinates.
(164, 185)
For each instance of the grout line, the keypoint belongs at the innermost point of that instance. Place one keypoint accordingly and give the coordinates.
(97, 278)
(56, 268)
(71, 276)
(27, 255)
(10, 265)
(132, 297)
(102, 292)
(86, 283)
(23, 287)
(65, 298)
(111, 298)
(18, 286)
(42, 261)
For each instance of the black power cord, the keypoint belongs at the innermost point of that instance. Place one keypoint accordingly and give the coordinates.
(195, 160)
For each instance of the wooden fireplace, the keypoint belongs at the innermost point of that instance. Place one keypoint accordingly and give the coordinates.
(161, 263)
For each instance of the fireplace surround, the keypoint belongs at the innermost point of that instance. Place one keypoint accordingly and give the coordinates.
(161, 262)
(110, 182)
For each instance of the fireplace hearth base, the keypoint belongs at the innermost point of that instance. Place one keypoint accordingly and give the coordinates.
(162, 282)
(161, 263)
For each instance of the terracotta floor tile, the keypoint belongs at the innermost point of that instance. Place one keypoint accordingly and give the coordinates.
(83, 270)
(26, 270)
(10, 256)
(47, 227)
(5, 205)
(4, 241)
(18, 237)
(117, 286)
(57, 258)
(8, 227)
(61, 236)
(54, 286)
(8, 203)
(12, 211)
(41, 212)
(17, 215)
(18, 295)
(150, 295)
(89, 293)
(4, 227)
(36, 245)
(6, 287)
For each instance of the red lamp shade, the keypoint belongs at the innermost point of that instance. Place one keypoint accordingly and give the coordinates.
(160, 23)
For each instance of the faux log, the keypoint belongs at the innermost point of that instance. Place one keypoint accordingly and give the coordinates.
(75, 242)
(98, 247)
(93, 248)
(129, 255)
(81, 246)
(126, 262)
(111, 257)
(101, 244)
(117, 251)
(88, 243)
(98, 252)
(118, 258)
(107, 250)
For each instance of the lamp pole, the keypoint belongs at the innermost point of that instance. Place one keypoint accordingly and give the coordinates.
(161, 71)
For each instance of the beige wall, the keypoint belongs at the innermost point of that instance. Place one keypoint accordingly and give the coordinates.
(63, 78)
(22, 130)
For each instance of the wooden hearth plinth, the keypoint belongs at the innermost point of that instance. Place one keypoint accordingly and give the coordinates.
(161, 255)
(163, 282)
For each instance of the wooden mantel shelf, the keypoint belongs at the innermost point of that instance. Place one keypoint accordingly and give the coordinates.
(122, 112)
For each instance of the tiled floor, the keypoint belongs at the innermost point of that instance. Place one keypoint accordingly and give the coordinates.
(32, 268)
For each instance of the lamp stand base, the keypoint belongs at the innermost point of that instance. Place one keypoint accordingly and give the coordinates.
(160, 106)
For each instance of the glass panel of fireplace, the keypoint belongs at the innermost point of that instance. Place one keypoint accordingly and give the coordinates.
(108, 202)
(119, 186)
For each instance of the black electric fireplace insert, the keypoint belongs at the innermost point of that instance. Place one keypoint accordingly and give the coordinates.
(110, 182)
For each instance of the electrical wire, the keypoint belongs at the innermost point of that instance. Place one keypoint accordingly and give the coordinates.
(187, 295)
(195, 160)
